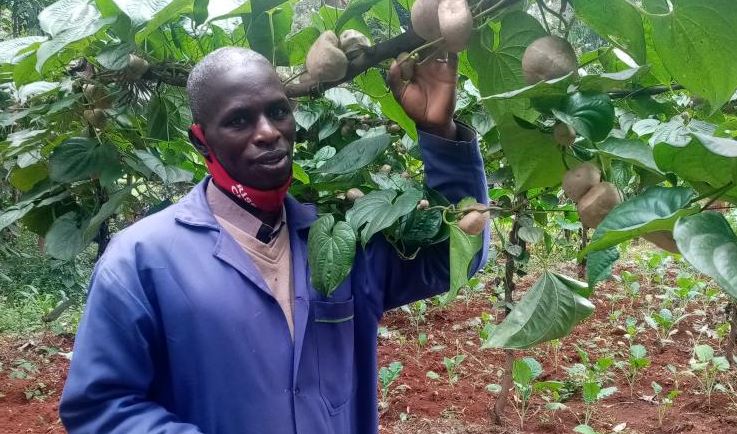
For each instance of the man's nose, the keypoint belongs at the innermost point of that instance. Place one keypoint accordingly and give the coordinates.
(266, 133)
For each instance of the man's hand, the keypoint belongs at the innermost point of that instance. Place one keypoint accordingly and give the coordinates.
(429, 98)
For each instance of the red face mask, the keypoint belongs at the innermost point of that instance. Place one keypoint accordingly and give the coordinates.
(265, 200)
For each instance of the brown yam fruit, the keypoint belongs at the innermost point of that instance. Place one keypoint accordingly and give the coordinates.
(95, 117)
(425, 20)
(423, 204)
(136, 68)
(456, 24)
(578, 181)
(352, 42)
(664, 240)
(353, 194)
(406, 65)
(325, 60)
(597, 203)
(97, 96)
(564, 134)
(548, 58)
(475, 221)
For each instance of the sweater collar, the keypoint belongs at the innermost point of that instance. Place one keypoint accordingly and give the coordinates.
(193, 210)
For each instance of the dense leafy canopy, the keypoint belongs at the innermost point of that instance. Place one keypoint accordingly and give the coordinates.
(653, 104)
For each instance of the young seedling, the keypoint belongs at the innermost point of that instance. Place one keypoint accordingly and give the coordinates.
(665, 401)
(589, 378)
(707, 367)
(631, 283)
(634, 364)
(422, 340)
(555, 346)
(631, 329)
(451, 365)
(524, 373)
(23, 369)
(387, 376)
(664, 323)
(416, 312)
(592, 394)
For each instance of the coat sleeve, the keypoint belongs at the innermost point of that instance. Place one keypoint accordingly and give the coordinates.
(456, 170)
(113, 362)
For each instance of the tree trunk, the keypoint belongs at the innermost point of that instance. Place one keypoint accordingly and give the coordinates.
(509, 287)
(103, 234)
(732, 338)
(584, 243)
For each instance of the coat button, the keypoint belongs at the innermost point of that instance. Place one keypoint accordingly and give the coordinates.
(296, 390)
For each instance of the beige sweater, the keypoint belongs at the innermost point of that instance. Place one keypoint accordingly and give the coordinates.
(273, 259)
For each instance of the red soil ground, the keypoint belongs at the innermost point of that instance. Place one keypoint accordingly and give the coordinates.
(417, 404)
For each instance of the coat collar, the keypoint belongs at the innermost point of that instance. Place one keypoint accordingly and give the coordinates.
(193, 210)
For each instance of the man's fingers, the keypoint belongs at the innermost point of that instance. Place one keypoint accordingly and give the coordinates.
(396, 83)
(453, 59)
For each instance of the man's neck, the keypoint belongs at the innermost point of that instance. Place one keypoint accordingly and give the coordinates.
(269, 218)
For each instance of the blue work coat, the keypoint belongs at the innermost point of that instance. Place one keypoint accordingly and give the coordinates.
(182, 335)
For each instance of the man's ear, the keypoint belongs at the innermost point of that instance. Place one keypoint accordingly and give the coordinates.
(197, 137)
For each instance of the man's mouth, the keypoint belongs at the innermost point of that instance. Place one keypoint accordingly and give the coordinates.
(271, 158)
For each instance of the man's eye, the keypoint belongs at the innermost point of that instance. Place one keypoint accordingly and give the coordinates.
(280, 113)
(238, 121)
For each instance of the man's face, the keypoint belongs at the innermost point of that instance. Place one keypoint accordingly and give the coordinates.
(248, 123)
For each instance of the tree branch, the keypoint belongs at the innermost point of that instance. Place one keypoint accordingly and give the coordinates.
(653, 90)
(371, 57)
(176, 75)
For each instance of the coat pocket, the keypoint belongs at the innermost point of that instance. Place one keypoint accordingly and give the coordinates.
(334, 328)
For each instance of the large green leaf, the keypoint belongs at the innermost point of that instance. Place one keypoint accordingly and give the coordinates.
(463, 248)
(261, 6)
(497, 56)
(616, 20)
(67, 21)
(418, 229)
(703, 169)
(609, 81)
(299, 44)
(14, 213)
(65, 239)
(10, 48)
(552, 88)
(357, 155)
(106, 211)
(535, 158)
(199, 11)
(331, 249)
(355, 8)
(373, 85)
(142, 11)
(24, 178)
(697, 43)
(168, 13)
(656, 209)
(708, 242)
(380, 209)
(549, 310)
(599, 265)
(268, 32)
(718, 145)
(632, 151)
(81, 158)
(590, 114)
(168, 174)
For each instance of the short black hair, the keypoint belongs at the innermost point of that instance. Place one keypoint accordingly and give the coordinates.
(206, 71)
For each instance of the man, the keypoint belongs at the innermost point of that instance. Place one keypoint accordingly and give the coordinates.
(201, 318)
